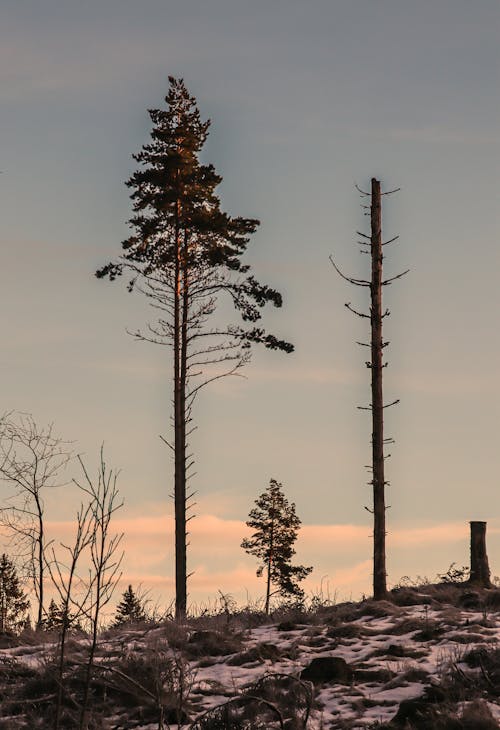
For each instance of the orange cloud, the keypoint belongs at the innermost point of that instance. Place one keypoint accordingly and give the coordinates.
(435, 535)
(340, 554)
(211, 535)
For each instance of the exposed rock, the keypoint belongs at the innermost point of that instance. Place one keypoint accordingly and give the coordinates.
(328, 669)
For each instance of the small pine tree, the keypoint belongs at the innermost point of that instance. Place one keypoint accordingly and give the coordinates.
(130, 609)
(14, 603)
(275, 526)
(53, 619)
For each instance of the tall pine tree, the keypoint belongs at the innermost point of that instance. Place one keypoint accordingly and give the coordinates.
(275, 525)
(14, 603)
(185, 256)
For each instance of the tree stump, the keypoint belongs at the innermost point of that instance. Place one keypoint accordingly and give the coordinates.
(479, 568)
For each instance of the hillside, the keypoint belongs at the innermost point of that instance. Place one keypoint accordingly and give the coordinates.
(429, 658)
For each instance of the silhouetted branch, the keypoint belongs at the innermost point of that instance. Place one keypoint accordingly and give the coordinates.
(393, 278)
(356, 282)
(355, 311)
(167, 443)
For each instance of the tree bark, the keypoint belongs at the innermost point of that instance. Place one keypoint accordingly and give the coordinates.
(179, 437)
(379, 564)
(479, 567)
(269, 565)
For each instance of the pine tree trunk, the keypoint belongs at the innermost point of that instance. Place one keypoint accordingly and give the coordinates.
(379, 565)
(179, 440)
(479, 567)
(269, 565)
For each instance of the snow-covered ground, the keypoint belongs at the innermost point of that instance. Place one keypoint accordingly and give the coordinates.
(392, 653)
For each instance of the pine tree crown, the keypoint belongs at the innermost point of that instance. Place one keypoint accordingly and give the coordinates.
(173, 195)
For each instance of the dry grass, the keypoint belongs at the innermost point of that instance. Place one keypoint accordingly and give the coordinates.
(136, 661)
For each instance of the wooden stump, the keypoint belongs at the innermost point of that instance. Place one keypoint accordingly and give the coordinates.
(479, 568)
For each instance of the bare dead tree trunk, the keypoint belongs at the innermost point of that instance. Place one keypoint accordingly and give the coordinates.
(379, 532)
(376, 365)
(479, 567)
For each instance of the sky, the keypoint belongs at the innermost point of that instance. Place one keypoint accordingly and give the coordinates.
(306, 101)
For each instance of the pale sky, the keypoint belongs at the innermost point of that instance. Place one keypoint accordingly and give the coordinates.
(306, 99)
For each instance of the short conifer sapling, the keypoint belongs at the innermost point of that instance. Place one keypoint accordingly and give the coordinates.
(57, 615)
(275, 525)
(130, 609)
(54, 618)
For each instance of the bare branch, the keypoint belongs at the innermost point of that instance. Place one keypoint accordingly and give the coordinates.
(356, 282)
(393, 278)
(167, 443)
(105, 559)
(355, 311)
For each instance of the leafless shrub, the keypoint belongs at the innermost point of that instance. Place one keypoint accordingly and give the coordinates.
(105, 558)
(64, 583)
(275, 701)
(454, 574)
(154, 681)
(32, 460)
(212, 643)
